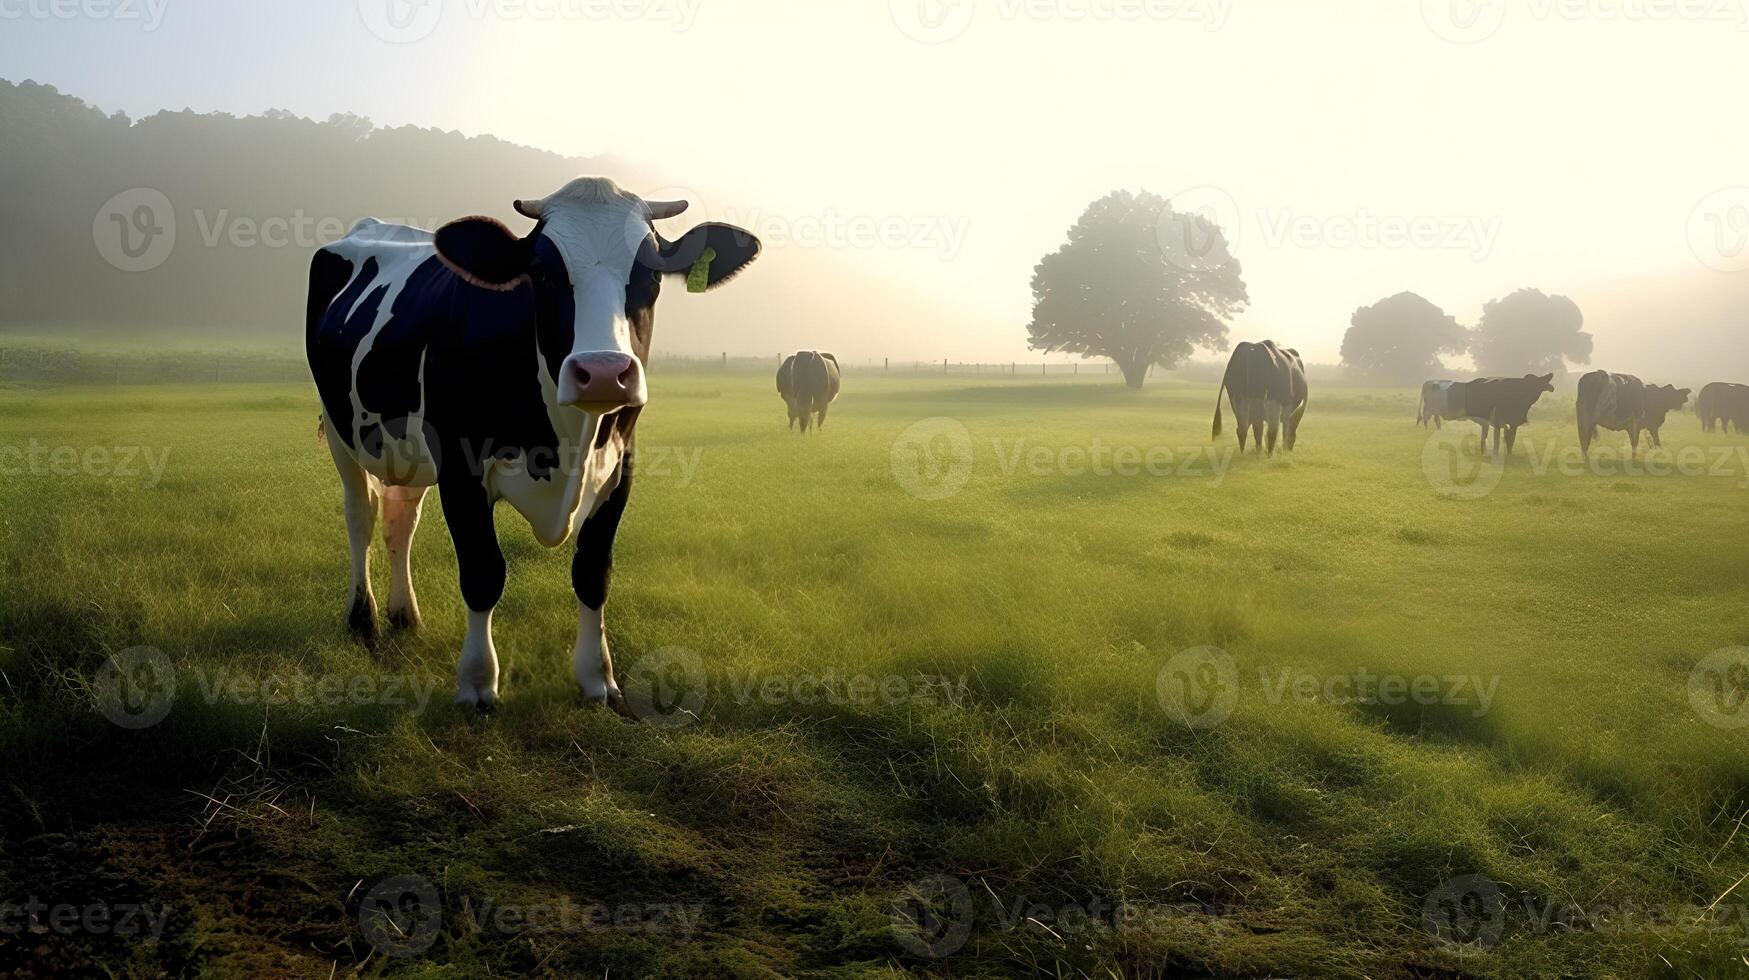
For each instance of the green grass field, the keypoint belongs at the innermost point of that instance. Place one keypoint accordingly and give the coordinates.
(978, 700)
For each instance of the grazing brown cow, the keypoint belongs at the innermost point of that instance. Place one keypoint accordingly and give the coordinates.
(1723, 402)
(1661, 400)
(1266, 384)
(1616, 402)
(808, 382)
(1622, 403)
(1501, 404)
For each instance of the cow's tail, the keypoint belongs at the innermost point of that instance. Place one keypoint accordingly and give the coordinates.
(1218, 393)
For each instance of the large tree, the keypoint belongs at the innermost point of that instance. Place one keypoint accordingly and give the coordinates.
(1136, 282)
(1400, 339)
(1530, 332)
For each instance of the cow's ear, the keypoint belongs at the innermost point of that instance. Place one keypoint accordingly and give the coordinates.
(709, 255)
(484, 252)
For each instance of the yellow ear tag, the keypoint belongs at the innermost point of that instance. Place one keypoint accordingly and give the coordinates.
(699, 279)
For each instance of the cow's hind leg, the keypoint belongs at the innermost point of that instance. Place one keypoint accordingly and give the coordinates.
(401, 507)
(1272, 416)
(361, 516)
(468, 511)
(1252, 417)
(591, 570)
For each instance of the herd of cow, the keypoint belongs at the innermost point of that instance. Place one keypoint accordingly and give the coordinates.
(1267, 388)
(504, 367)
(1617, 402)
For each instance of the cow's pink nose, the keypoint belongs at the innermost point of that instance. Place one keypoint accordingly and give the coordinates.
(601, 380)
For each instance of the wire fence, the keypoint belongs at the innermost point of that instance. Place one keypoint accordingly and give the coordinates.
(728, 364)
(69, 365)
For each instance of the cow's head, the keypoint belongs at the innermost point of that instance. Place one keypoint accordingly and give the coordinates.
(1542, 382)
(1669, 397)
(595, 263)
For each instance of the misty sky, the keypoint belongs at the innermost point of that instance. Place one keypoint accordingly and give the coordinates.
(942, 147)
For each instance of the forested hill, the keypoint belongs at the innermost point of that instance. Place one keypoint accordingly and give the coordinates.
(249, 198)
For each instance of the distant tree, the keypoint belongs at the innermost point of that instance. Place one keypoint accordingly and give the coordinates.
(1123, 286)
(1400, 339)
(1530, 332)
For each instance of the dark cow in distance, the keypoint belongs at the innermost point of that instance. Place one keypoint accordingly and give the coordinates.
(1623, 403)
(1723, 403)
(497, 367)
(1500, 404)
(1616, 402)
(1661, 400)
(808, 381)
(1267, 386)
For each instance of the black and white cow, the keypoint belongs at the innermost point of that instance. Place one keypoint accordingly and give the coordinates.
(495, 368)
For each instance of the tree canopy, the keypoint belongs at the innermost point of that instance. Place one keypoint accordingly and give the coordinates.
(1530, 332)
(1400, 339)
(1136, 282)
(250, 198)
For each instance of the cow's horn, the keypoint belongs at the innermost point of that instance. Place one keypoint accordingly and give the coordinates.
(665, 209)
(529, 209)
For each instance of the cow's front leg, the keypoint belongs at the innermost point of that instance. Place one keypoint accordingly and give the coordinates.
(591, 570)
(468, 511)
